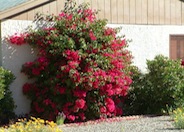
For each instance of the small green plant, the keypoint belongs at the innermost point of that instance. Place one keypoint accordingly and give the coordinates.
(60, 118)
(178, 117)
(6, 101)
(32, 125)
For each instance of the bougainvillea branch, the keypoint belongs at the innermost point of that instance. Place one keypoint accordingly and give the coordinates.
(81, 69)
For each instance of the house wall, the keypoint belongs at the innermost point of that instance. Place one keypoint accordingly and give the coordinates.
(147, 42)
(13, 57)
(155, 12)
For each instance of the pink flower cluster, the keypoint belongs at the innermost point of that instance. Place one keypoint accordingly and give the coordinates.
(17, 39)
(182, 62)
(92, 36)
(89, 14)
(35, 68)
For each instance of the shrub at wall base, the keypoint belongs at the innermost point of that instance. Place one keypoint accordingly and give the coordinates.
(160, 90)
(6, 102)
(81, 69)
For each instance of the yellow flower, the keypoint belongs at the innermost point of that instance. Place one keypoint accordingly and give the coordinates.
(42, 121)
(52, 124)
(35, 124)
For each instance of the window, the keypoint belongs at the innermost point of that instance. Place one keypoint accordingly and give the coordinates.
(177, 47)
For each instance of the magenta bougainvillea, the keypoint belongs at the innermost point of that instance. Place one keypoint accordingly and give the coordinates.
(81, 68)
(182, 62)
(17, 39)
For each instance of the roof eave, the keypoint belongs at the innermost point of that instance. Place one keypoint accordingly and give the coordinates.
(22, 8)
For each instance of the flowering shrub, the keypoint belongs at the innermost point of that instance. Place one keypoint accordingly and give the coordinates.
(32, 125)
(81, 69)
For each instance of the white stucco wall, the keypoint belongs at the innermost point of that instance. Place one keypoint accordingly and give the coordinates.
(147, 42)
(13, 57)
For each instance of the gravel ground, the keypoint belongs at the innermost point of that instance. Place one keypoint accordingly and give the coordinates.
(125, 124)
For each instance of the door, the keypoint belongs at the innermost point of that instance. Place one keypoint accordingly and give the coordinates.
(177, 47)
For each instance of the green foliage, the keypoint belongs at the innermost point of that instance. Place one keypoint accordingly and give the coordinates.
(5, 80)
(178, 117)
(60, 119)
(160, 89)
(6, 103)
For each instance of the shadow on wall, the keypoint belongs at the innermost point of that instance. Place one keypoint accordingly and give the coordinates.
(13, 57)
